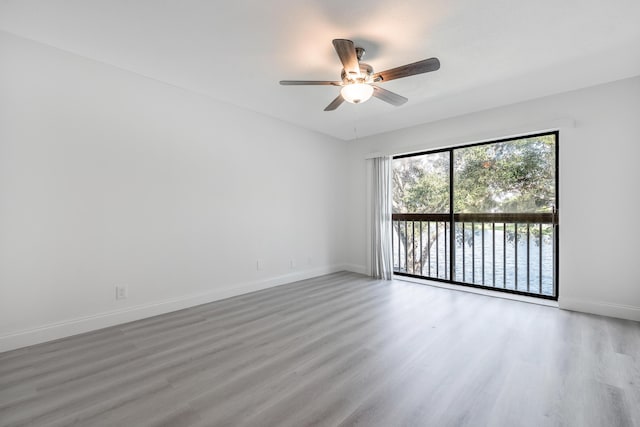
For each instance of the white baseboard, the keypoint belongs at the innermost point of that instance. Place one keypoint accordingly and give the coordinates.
(354, 268)
(81, 325)
(620, 311)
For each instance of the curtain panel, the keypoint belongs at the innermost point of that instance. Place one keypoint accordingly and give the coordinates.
(381, 250)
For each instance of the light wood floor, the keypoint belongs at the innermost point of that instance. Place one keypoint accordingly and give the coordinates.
(338, 350)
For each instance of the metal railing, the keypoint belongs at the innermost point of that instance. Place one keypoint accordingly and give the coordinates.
(505, 251)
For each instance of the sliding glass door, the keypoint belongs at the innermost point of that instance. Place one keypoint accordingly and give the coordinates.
(496, 201)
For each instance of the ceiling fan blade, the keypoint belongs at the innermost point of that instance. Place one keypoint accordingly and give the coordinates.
(309, 82)
(347, 53)
(424, 66)
(388, 96)
(335, 103)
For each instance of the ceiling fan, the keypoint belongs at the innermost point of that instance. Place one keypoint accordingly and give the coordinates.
(358, 78)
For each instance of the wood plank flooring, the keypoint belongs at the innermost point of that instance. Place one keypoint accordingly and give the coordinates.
(338, 350)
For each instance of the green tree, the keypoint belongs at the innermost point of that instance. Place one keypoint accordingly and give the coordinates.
(514, 176)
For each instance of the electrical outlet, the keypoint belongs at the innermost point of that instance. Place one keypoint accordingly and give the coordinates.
(260, 264)
(292, 264)
(122, 292)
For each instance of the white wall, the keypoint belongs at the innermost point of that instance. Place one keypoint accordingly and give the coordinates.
(107, 177)
(599, 178)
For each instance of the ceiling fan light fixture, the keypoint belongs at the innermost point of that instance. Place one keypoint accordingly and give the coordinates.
(356, 93)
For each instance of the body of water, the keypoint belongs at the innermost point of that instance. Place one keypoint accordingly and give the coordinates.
(504, 267)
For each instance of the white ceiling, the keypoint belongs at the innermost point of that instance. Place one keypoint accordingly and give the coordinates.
(493, 52)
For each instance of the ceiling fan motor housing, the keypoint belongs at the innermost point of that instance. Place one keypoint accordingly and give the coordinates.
(366, 74)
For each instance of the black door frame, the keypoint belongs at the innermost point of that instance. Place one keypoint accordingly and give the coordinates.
(452, 214)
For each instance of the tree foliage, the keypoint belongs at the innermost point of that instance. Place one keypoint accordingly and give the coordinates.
(513, 176)
(421, 184)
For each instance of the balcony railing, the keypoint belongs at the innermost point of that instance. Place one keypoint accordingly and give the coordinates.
(505, 251)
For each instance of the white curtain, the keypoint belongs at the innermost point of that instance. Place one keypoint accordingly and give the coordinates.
(381, 250)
